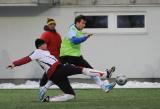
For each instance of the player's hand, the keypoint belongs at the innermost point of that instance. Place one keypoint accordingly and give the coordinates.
(11, 66)
(89, 35)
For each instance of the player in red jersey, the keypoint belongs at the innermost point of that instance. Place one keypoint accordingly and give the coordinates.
(53, 40)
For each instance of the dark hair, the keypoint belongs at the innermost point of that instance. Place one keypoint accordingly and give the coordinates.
(39, 42)
(79, 18)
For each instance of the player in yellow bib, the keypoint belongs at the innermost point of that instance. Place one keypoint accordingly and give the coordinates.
(70, 51)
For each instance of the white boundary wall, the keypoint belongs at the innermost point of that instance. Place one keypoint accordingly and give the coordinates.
(136, 55)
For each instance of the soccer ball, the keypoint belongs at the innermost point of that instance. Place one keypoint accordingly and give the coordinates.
(121, 80)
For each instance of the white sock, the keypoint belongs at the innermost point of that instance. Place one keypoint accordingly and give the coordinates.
(95, 75)
(46, 86)
(90, 72)
(97, 80)
(64, 97)
(49, 84)
(93, 72)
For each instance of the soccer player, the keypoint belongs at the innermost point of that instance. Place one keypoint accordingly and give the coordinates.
(70, 51)
(71, 44)
(58, 73)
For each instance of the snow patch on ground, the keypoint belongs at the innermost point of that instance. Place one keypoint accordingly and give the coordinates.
(35, 85)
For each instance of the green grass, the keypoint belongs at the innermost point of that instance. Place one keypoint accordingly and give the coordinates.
(86, 99)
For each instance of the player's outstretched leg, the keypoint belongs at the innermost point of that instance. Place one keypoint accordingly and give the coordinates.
(106, 86)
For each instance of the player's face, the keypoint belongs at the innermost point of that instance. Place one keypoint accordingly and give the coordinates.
(80, 25)
(52, 26)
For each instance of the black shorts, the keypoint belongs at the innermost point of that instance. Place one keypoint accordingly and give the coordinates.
(75, 60)
(60, 77)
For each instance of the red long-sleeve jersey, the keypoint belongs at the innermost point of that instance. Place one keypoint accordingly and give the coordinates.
(53, 41)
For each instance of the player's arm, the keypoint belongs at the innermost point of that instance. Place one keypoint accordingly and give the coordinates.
(34, 55)
(77, 40)
(20, 62)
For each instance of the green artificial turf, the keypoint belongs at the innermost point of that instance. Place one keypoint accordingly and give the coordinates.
(85, 99)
